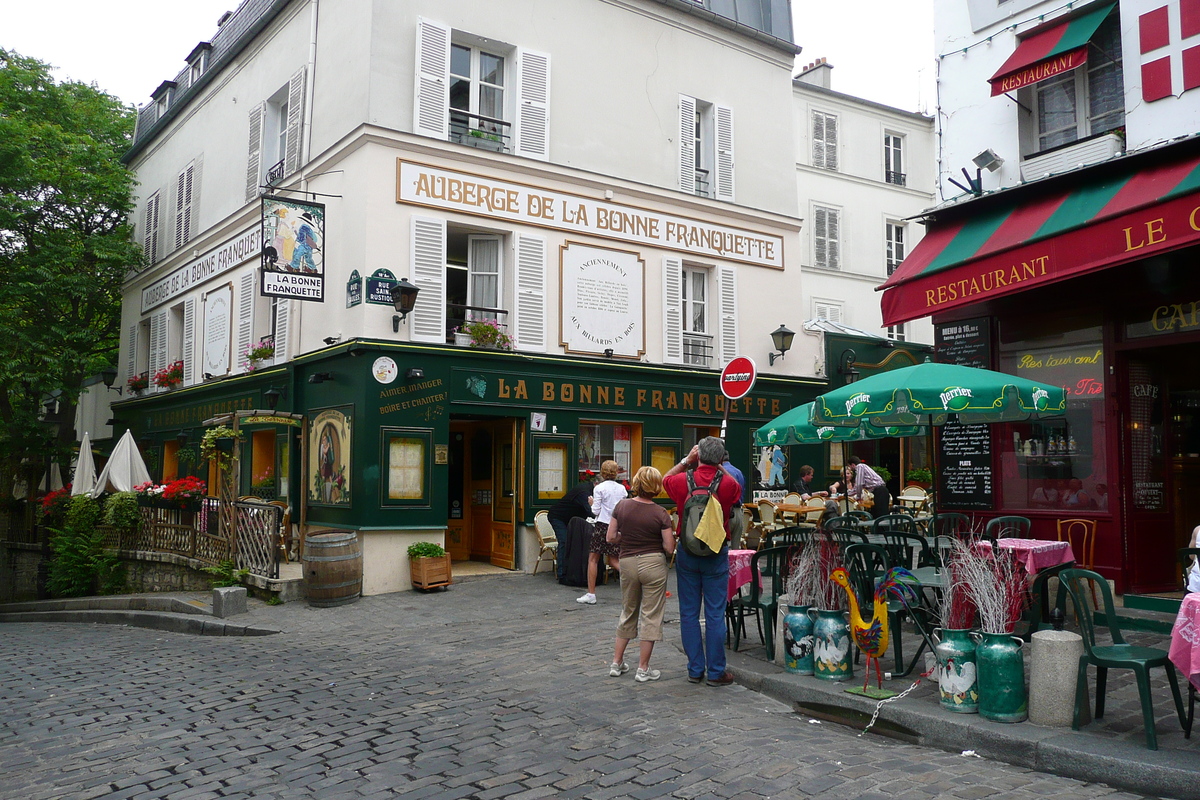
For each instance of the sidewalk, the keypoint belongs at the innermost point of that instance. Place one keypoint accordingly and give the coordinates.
(1111, 751)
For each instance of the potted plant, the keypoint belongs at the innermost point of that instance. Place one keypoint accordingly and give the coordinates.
(186, 492)
(138, 384)
(217, 445)
(486, 334)
(429, 564)
(260, 354)
(169, 377)
(486, 141)
(919, 477)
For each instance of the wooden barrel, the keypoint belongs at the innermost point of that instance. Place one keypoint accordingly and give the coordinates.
(332, 568)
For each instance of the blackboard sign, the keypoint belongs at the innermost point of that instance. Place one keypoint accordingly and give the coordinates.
(967, 342)
(965, 451)
(965, 466)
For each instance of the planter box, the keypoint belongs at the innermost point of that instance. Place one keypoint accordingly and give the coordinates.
(462, 339)
(430, 572)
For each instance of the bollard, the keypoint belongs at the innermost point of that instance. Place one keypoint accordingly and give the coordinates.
(1054, 664)
(229, 600)
(779, 657)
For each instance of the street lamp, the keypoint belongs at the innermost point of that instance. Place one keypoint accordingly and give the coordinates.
(781, 337)
(404, 297)
(846, 365)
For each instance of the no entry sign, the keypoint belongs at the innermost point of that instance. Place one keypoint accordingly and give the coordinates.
(737, 379)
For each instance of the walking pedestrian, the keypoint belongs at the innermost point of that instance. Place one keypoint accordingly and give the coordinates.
(641, 529)
(605, 497)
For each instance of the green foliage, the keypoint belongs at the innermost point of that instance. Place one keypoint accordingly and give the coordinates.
(273, 600)
(121, 512)
(80, 565)
(226, 574)
(208, 444)
(425, 550)
(920, 475)
(65, 250)
(883, 472)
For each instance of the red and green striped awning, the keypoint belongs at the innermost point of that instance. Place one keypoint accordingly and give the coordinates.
(1012, 247)
(1049, 50)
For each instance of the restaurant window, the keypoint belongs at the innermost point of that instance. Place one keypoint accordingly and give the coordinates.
(553, 476)
(1056, 464)
(602, 441)
(1087, 101)
(408, 462)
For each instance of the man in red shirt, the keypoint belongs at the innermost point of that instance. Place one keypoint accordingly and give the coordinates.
(704, 578)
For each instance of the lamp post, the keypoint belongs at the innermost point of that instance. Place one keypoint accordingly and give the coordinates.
(404, 297)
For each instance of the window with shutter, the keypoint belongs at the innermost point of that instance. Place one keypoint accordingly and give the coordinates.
(158, 344)
(254, 158)
(245, 319)
(827, 310)
(672, 310)
(824, 140)
(727, 286)
(531, 293)
(432, 92)
(428, 269)
(826, 227)
(687, 144)
(131, 352)
(291, 139)
(724, 153)
(183, 205)
(699, 347)
(282, 316)
(533, 106)
(150, 238)
(893, 159)
(189, 342)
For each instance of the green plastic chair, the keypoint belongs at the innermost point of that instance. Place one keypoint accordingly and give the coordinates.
(1007, 528)
(1081, 583)
(772, 563)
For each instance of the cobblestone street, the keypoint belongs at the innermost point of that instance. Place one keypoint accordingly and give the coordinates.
(495, 688)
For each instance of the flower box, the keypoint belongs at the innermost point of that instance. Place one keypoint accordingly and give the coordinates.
(430, 572)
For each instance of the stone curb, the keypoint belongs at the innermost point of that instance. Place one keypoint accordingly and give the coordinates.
(157, 620)
(1122, 764)
(173, 605)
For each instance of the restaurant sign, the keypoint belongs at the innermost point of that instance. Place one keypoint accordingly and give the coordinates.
(449, 190)
(220, 259)
(602, 301)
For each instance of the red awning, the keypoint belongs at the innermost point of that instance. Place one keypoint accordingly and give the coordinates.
(1049, 50)
(1015, 246)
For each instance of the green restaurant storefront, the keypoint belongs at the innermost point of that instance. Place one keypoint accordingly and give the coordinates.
(410, 442)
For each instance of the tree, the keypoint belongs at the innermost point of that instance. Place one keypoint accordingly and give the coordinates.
(65, 249)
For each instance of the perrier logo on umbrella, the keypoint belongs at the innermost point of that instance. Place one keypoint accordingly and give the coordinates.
(858, 404)
(1041, 398)
(826, 432)
(955, 398)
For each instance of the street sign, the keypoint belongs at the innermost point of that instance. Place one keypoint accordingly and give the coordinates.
(737, 379)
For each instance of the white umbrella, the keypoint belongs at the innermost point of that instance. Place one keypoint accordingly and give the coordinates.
(85, 468)
(124, 470)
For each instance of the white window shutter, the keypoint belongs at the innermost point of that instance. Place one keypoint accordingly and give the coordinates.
(672, 310)
(245, 319)
(834, 247)
(831, 142)
(189, 342)
(533, 106)
(724, 125)
(158, 342)
(431, 114)
(428, 318)
(283, 312)
(820, 229)
(295, 122)
(254, 159)
(827, 311)
(131, 354)
(728, 325)
(531, 293)
(687, 148)
(818, 139)
(183, 205)
(150, 239)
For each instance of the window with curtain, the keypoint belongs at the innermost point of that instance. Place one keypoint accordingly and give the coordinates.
(483, 270)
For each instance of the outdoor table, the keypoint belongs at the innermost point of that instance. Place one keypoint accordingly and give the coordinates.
(1185, 639)
(1035, 554)
(740, 573)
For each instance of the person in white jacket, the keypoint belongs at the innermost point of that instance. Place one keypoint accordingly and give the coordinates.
(605, 497)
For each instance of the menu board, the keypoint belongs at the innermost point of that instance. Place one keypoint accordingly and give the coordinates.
(964, 467)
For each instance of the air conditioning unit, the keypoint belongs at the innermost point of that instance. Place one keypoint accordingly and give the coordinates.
(1090, 151)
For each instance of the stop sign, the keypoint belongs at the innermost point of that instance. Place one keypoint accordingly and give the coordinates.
(737, 379)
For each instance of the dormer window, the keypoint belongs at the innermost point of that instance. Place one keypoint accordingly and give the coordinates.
(162, 98)
(198, 62)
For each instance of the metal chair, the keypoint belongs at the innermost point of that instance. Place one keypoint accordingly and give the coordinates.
(1007, 528)
(1118, 655)
(546, 540)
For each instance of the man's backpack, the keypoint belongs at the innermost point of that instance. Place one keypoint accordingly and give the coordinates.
(702, 519)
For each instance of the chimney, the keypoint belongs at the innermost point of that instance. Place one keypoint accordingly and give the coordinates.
(817, 73)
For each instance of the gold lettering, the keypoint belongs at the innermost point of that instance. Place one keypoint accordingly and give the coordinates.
(689, 401)
(566, 392)
(672, 401)
(656, 399)
(775, 409)
(602, 395)
(705, 405)
(1192, 219)
(641, 397)
(585, 393)
(503, 391)
(619, 396)
(1129, 245)
(762, 405)
(522, 392)
(1154, 231)
(548, 391)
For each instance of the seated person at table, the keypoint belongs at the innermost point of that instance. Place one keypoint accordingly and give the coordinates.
(1100, 497)
(1074, 497)
(804, 487)
(1193, 573)
(1046, 495)
(843, 487)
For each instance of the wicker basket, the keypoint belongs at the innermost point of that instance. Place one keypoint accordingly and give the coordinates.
(430, 572)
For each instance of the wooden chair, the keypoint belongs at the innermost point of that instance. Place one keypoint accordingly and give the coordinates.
(1081, 535)
(547, 540)
(1118, 655)
(791, 499)
(1007, 528)
(767, 522)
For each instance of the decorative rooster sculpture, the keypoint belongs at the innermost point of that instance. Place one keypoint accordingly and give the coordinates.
(872, 636)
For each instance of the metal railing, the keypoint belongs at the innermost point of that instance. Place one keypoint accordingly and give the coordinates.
(481, 313)
(702, 183)
(697, 349)
(896, 178)
(275, 173)
(476, 130)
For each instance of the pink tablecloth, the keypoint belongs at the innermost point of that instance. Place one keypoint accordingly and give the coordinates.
(1185, 639)
(739, 570)
(1036, 554)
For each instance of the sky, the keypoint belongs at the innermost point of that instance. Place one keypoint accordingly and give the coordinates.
(881, 50)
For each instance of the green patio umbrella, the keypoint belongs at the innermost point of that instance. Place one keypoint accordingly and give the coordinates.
(932, 394)
(795, 427)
